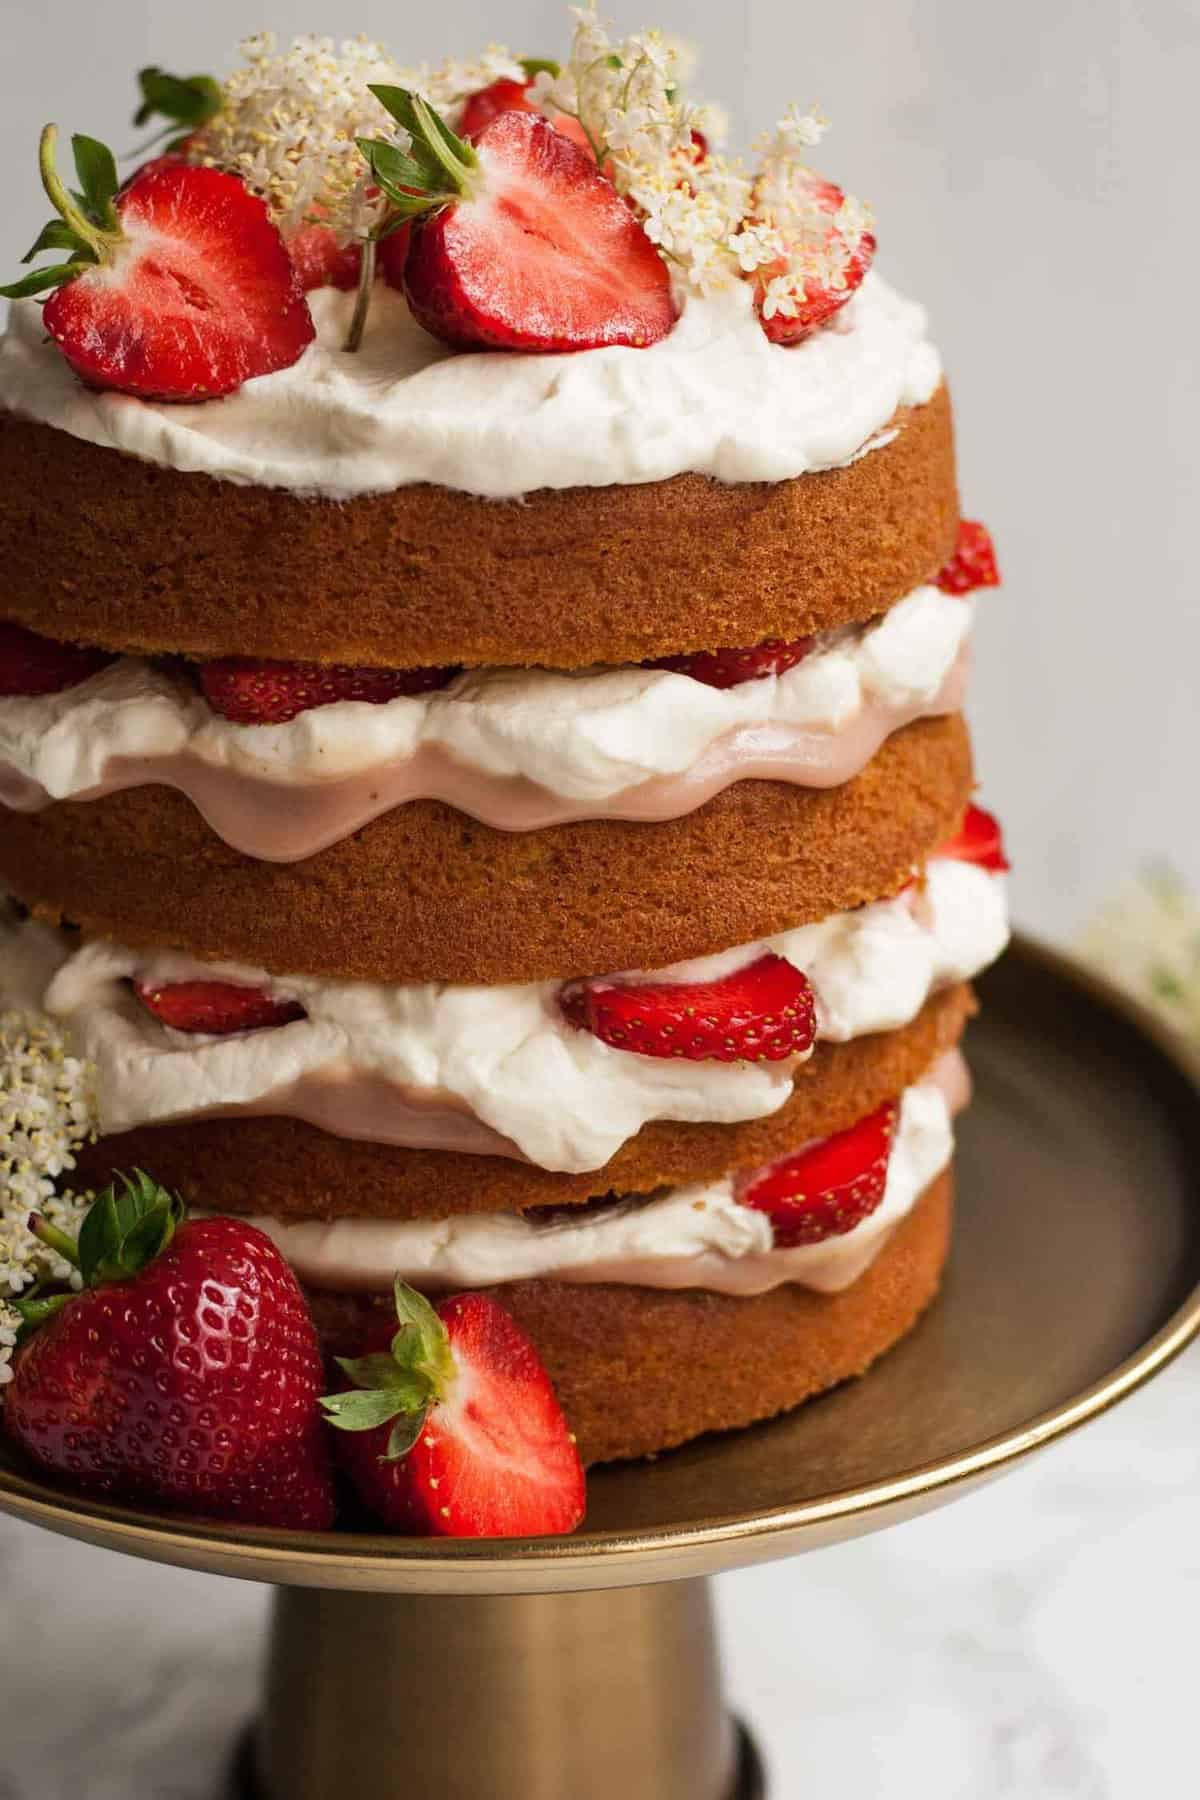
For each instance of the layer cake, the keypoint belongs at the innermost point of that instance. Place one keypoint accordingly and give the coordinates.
(500, 813)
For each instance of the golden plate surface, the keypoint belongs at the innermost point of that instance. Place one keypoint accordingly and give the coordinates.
(1075, 1276)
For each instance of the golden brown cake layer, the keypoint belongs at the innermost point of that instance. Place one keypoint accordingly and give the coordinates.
(640, 1370)
(100, 548)
(286, 1169)
(426, 894)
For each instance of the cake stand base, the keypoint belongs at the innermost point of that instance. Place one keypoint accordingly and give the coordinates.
(596, 1695)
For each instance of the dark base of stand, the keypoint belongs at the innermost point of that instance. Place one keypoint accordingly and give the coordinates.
(750, 1782)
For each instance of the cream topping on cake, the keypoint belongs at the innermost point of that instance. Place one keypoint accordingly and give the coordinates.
(516, 748)
(699, 1236)
(714, 397)
(499, 1070)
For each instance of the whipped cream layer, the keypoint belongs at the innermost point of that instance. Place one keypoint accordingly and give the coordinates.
(691, 1237)
(498, 1069)
(713, 397)
(518, 749)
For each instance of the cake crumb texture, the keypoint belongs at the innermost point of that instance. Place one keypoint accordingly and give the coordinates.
(119, 553)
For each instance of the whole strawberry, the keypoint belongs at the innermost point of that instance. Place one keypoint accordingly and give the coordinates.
(187, 1374)
(176, 286)
(454, 1429)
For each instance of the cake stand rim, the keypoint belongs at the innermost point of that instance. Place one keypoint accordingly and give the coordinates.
(371, 1562)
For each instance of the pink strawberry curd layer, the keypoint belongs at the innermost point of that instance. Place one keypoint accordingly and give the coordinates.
(518, 749)
(698, 1236)
(497, 1070)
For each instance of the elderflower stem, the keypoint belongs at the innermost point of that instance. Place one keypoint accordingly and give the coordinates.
(366, 280)
(54, 1239)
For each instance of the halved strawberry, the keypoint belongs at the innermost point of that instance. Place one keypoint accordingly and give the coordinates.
(178, 287)
(31, 664)
(518, 242)
(253, 692)
(978, 841)
(507, 95)
(454, 1429)
(729, 668)
(973, 564)
(822, 232)
(217, 1008)
(829, 1188)
(763, 1013)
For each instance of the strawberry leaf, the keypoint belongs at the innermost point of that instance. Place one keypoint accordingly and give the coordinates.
(540, 65)
(87, 221)
(41, 279)
(381, 1374)
(401, 1383)
(127, 1226)
(96, 169)
(58, 235)
(191, 101)
(404, 1436)
(361, 1409)
(403, 180)
(437, 163)
(35, 1312)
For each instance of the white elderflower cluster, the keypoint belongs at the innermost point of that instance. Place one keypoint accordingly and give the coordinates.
(10, 1324)
(713, 220)
(24, 1259)
(290, 119)
(46, 1112)
(627, 95)
(46, 1109)
(288, 124)
(810, 237)
(1148, 942)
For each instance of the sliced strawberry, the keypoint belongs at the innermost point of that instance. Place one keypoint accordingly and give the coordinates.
(828, 1189)
(763, 1013)
(729, 668)
(817, 300)
(321, 261)
(454, 1429)
(179, 286)
(507, 95)
(534, 251)
(979, 841)
(251, 692)
(217, 1008)
(973, 564)
(31, 664)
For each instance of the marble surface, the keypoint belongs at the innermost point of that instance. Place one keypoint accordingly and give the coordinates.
(1033, 1641)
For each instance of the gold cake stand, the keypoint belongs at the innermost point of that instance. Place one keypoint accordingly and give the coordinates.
(586, 1668)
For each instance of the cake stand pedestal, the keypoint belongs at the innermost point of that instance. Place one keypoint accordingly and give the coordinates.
(585, 1668)
(613, 1693)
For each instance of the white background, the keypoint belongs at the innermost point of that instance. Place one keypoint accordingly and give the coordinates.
(1033, 167)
